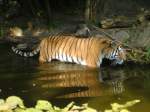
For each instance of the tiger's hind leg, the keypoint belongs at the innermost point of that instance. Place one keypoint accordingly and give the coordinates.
(92, 65)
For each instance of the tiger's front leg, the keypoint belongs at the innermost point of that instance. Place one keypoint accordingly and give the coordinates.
(42, 60)
(92, 61)
(91, 64)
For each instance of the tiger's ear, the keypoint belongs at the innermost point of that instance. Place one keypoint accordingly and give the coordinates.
(106, 42)
(113, 44)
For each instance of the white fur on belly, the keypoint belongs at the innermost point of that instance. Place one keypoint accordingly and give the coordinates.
(67, 58)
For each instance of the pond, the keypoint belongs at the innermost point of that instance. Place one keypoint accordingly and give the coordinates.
(61, 83)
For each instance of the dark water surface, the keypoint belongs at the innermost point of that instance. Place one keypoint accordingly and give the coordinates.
(62, 83)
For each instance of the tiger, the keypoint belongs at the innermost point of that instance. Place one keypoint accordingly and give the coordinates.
(84, 51)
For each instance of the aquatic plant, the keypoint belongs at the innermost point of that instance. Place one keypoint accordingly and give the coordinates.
(115, 107)
(148, 54)
(15, 104)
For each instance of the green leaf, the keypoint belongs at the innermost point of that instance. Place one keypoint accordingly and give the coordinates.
(43, 105)
(66, 109)
(32, 110)
(2, 101)
(14, 101)
(19, 110)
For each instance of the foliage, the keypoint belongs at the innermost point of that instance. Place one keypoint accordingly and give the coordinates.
(148, 53)
(122, 108)
(15, 104)
(1, 32)
(55, 24)
(139, 55)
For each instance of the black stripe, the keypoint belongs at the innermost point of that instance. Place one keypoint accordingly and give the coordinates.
(57, 46)
(54, 47)
(67, 39)
(47, 48)
(75, 52)
(25, 54)
(117, 50)
(92, 41)
(88, 44)
(52, 40)
(98, 53)
(114, 53)
(70, 48)
(66, 49)
(79, 48)
(82, 42)
(65, 44)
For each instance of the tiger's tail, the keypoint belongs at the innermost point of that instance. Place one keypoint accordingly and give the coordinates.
(25, 54)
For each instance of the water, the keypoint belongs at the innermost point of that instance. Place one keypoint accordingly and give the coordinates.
(62, 83)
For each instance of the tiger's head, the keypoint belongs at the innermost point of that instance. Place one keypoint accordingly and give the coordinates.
(115, 52)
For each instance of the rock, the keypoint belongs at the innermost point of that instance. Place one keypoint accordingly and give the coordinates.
(117, 22)
(107, 23)
(121, 36)
(82, 31)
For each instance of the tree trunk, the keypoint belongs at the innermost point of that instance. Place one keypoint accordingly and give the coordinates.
(91, 10)
(5, 4)
(37, 6)
(101, 7)
(32, 8)
(49, 12)
(87, 10)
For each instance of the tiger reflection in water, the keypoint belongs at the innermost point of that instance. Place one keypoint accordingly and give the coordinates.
(87, 83)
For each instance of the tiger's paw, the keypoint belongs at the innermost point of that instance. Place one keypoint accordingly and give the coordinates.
(116, 62)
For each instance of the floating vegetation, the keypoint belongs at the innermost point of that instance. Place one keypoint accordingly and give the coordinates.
(122, 107)
(15, 104)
